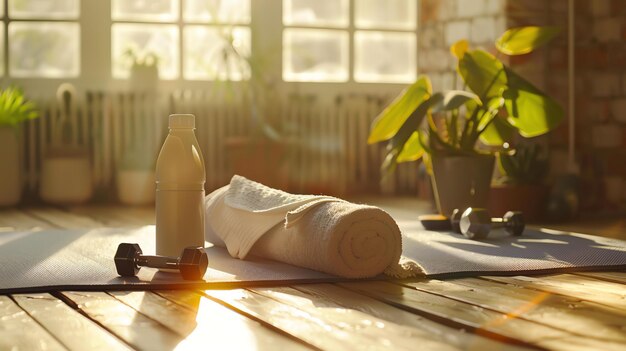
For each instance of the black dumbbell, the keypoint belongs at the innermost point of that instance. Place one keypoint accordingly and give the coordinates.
(476, 223)
(192, 263)
(455, 219)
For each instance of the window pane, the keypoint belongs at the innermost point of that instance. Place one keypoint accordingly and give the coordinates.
(315, 55)
(384, 57)
(145, 10)
(226, 11)
(58, 9)
(216, 53)
(321, 13)
(137, 42)
(44, 49)
(386, 14)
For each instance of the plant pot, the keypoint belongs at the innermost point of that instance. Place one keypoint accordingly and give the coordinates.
(461, 181)
(11, 175)
(66, 177)
(143, 78)
(260, 160)
(136, 187)
(530, 199)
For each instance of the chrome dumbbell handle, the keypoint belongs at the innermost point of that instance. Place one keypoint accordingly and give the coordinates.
(157, 261)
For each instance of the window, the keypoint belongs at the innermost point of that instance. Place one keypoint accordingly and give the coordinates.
(319, 33)
(43, 38)
(215, 37)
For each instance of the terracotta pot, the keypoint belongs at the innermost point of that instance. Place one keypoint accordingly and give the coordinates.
(260, 160)
(136, 187)
(10, 166)
(461, 181)
(530, 199)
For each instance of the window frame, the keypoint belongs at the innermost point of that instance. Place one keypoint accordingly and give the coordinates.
(352, 29)
(266, 29)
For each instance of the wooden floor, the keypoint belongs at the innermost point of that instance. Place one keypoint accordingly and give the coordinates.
(559, 312)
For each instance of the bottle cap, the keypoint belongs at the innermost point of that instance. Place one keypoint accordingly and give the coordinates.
(179, 121)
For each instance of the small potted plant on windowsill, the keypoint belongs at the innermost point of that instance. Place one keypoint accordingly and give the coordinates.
(14, 109)
(144, 70)
(135, 178)
(499, 103)
(521, 187)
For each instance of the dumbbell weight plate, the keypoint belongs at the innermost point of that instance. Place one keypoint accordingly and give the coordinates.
(125, 259)
(515, 222)
(475, 223)
(455, 219)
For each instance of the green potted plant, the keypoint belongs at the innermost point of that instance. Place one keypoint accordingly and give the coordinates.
(520, 188)
(14, 109)
(260, 154)
(497, 104)
(135, 175)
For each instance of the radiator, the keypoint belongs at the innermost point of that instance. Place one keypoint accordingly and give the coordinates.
(330, 152)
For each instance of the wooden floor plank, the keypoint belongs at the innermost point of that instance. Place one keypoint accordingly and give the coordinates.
(616, 277)
(18, 331)
(134, 328)
(18, 220)
(483, 321)
(332, 296)
(117, 216)
(364, 329)
(584, 288)
(63, 219)
(208, 324)
(325, 328)
(74, 330)
(572, 315)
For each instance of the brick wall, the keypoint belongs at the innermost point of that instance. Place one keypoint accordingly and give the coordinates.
(443, 22)
(600, 56)
(600, 96)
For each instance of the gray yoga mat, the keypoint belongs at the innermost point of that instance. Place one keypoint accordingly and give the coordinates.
(83, 259)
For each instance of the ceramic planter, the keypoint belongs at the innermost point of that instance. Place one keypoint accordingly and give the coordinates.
(135, 186)
(529, 198)
(10, 166)
(66, 178)
(260, 160)
(461, 181)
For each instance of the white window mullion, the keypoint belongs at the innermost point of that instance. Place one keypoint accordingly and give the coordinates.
(95, 23)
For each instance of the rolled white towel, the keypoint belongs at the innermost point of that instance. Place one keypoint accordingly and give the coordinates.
(317, 232)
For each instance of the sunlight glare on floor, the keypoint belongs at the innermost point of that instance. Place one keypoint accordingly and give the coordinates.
(221, 329)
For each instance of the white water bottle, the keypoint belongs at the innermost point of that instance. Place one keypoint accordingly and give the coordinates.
(180, 179)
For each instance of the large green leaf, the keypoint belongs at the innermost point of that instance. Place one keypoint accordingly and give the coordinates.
(413, 122)
(398, 142)
(522, 40)
(459, 48)
(454, 99)
(530, 111)
(493, 107)
(412, 149)
(388, 122)
(483, 73)
(497, 132)
(532, 114)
